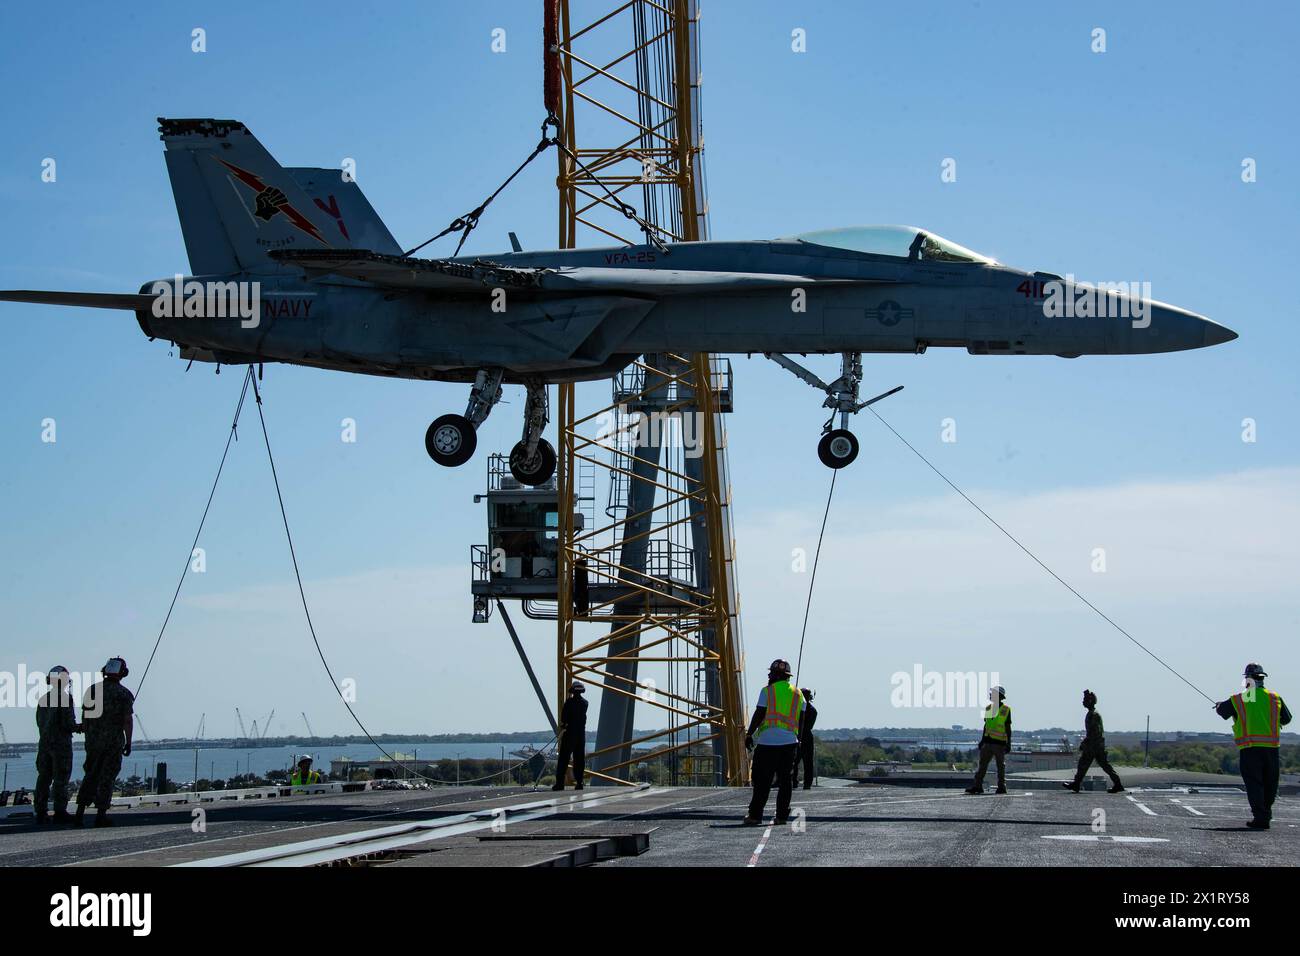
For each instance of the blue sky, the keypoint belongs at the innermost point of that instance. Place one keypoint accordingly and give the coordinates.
(1123, 165)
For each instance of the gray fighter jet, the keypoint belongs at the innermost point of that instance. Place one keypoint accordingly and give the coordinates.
(293, 265)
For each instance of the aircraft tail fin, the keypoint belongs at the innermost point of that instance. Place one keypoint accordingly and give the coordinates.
(236, 203)
(356, 225)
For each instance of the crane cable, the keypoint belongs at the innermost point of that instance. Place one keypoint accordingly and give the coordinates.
(465, 224)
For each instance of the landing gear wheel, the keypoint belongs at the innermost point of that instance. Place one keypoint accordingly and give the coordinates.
(536, 470)
(838, 448)
(451, 440)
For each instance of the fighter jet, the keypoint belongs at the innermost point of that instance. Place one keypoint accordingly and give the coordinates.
(293, 265)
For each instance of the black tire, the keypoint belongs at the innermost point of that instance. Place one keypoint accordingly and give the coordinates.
(536, 470)
(451, 440)
(838, 448)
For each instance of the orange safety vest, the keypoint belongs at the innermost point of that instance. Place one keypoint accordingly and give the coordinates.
(1255, 720)
(782, 711)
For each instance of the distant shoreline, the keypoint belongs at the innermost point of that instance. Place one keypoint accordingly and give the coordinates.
(917, 735)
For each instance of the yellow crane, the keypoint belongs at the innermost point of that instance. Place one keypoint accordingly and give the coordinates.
(623, 86)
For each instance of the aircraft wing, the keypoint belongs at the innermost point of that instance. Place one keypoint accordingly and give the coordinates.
(130, 301)
(396, 272)
(447, 275)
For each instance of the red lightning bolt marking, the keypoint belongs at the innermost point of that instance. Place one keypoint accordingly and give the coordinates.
(255, 183)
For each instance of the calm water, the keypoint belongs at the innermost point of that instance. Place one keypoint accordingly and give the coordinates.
(223, 762)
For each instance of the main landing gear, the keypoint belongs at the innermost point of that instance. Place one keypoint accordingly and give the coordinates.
(838, 446)
(451, 439)
(532, 460)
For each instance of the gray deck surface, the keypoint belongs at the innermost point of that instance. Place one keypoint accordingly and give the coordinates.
(865, 825)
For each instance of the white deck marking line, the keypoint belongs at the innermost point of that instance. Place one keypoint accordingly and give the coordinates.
(753, 859)
(1141, 806)
(1192, 810)
(1098, 838)
(1245, 811)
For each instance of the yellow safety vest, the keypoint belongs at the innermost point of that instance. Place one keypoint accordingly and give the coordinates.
(995, 727)
(1255, 718)
(298, 781)
(784, 705)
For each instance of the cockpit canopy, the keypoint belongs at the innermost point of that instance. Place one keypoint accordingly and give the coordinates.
(905, 242)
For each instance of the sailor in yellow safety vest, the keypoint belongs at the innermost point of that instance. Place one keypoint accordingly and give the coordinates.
(996, 742)
(773, 736)
(1258, 716)
(304, 775)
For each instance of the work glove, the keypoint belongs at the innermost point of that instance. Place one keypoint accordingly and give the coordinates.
(749, 742)
(126, 751)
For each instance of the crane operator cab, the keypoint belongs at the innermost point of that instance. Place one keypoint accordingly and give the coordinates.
(523, 533)
(522, 551)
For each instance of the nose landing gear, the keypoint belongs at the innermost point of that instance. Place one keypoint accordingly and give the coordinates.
(838, 446)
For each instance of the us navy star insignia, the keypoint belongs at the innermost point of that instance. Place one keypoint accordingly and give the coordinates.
(890, 312)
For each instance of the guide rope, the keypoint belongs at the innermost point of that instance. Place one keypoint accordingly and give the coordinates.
(311, 627)
(249, 379)
(813, 580)
(1014, 540)
(233, 436)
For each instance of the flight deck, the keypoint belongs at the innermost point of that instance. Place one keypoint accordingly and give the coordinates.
(1034, 824)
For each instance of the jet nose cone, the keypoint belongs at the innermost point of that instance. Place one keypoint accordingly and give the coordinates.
(1216, 334)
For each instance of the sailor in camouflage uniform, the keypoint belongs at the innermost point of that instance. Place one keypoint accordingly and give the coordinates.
(1093, 748)
(106, 717)
(56, 721)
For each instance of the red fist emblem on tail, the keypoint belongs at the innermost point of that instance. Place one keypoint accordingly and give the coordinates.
(269, 201)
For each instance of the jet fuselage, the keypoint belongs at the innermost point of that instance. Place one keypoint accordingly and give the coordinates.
(852, 302)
